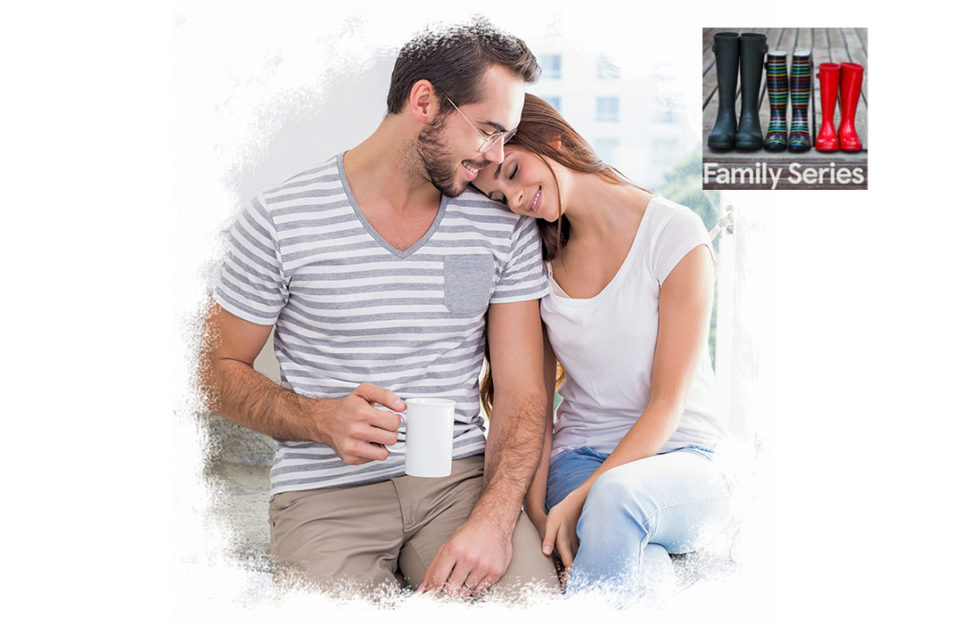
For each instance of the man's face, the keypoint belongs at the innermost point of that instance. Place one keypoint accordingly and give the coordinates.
(449, 147)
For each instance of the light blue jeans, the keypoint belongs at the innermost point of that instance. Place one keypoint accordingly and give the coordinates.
(636, 515)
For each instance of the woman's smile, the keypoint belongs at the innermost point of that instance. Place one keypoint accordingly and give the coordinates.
(535, 203)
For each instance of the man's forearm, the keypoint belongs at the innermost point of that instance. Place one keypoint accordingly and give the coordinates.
(536, 496)
(512, 456)
(535, 501)
(355, 430)
(244, 396)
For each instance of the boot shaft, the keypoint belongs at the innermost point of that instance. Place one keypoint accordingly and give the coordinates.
(753, 47)
(777, 96)
(800, 86)
(828, 86)
(828, 81)
(726, 51)
(850, 86)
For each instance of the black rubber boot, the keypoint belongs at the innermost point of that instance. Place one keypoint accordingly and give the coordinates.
(753, 47)
(726, 50)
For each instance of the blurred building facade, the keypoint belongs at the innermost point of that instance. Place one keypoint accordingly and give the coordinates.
(635, 121)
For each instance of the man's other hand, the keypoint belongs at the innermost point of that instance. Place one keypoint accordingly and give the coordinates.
(471, 561)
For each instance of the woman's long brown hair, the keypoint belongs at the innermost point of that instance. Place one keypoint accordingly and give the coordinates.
(543, 132)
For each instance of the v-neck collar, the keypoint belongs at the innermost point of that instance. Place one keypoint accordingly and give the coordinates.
(561, 294)
(442, 207)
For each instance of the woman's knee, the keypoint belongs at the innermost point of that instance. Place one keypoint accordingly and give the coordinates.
(612, 505)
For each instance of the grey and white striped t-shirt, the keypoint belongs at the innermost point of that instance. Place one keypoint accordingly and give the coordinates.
(349, 308)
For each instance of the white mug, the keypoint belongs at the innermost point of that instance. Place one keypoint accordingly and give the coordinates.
(429, 435)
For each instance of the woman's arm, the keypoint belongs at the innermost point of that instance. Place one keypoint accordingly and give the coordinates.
(685, 303)
(535, 500)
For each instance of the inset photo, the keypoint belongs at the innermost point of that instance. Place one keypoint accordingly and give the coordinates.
(785, 108)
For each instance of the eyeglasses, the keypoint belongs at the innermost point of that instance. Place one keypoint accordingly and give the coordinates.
(488, 140)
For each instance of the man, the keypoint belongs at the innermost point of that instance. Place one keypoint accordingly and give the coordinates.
(382, 287)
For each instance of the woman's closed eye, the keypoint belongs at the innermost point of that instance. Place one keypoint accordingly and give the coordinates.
(511, 176)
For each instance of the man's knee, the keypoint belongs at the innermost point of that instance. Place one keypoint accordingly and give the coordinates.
(344, 539)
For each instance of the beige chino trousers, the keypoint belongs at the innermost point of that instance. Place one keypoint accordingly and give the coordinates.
(377, 535)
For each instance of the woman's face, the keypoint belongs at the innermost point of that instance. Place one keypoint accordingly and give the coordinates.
(523, 182)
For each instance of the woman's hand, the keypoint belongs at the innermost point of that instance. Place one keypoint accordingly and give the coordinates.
(561, 529)
(538, 518)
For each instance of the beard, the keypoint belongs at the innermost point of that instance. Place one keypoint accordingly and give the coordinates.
(436, 159)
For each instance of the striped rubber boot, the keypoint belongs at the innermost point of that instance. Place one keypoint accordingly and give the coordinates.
(776, 139)
(799, 138)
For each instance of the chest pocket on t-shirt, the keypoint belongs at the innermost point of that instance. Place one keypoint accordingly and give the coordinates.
(468, 283)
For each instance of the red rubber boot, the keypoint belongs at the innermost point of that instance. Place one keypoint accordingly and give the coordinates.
(828, 86)
(851, 85)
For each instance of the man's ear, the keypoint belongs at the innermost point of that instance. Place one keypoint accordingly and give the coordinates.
(422, 101)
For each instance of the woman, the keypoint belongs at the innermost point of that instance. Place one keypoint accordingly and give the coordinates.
(627, 475)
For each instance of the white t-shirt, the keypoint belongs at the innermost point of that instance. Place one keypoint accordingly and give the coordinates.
(606, 343)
